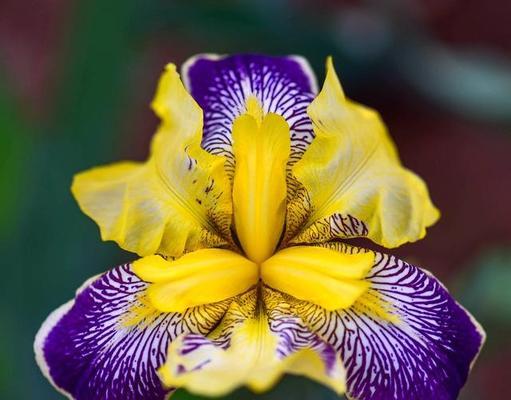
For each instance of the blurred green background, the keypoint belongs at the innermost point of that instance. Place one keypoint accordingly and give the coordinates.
(76, 78)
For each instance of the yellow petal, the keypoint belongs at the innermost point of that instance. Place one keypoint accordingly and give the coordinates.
(178, 200)
(262, 345)
(201, 277)
(355, 183)
(261, 147)
(319, 275)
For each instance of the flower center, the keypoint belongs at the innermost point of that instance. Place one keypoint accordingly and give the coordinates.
(325, 277)
(333, 280)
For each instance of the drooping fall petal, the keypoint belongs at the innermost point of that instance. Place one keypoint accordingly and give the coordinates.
(108, 343)
(254, 345)
(406, 338)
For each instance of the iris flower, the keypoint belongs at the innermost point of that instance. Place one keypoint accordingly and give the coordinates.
(241, 218)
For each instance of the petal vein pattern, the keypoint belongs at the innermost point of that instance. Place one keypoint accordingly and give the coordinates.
(108, 343)
(177, 201)
(353, 182)
(222, 86)
(252, 346)
(425, 353)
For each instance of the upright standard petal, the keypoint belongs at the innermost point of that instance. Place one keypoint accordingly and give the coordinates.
(354, 184)
(222, 86)
(405, 339)
(178, 200)
(108, 343)
(261, 149)
(258, 340)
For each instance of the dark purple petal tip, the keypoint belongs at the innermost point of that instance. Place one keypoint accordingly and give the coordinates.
(84, 349)
(426, 355)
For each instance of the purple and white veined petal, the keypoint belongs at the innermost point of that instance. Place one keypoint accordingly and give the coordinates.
(108, 342)
(222, 84)
(254, 345)
(294, 336)
(422, 349)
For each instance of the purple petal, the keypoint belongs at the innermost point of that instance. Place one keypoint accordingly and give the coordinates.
(221, 86)
(425, 354)
(108, 342)
(293, 335)
(289, 330)
(253, 346)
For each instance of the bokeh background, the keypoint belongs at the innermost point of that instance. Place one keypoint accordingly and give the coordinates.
(76, 78)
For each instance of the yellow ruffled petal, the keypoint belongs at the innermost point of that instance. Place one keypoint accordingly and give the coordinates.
(355, 184)
(319, 275)
(261, 146)
(178, 200)
(201, 277)
(254, 347)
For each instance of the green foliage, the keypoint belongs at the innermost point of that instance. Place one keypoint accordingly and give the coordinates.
(15, 150)
(484, 289)
(474, 84)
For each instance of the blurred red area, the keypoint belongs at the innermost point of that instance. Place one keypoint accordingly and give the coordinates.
(31, 35)
(471, 22)
(467, 170)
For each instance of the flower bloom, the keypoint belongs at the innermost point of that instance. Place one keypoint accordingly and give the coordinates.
(239, 217)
